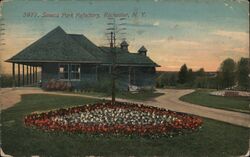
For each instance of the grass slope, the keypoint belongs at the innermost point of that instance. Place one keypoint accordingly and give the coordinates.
(214, 139)
(202, 97)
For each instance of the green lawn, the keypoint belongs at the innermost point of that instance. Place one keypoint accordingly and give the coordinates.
(214, 139)
(202, 97)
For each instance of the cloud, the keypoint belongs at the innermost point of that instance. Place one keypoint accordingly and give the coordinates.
(140, 32)
(156, 23)
(244, 1)
(143, 24)
(173, 42)
(7, 1)
(139, 25)
(207, 52)
(239, 36)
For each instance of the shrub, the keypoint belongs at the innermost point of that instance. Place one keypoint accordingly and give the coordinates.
(58, 85)
(103, 85)
(6, 80)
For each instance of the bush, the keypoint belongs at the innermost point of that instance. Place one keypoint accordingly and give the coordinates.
(95, 86)
(166, 79)
(184, 86)
(58, 85)
(6, 80)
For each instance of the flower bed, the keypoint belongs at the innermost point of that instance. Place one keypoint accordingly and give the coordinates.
(228, 93)
(122, 118)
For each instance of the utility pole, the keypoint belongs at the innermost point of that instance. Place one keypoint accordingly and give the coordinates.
(1, 43)
(248, 152)
(113, 32)
(113, 52)
(249, 63)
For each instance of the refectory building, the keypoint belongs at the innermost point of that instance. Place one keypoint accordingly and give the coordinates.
(74, 58)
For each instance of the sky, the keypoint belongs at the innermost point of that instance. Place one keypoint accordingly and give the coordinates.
(199, 33)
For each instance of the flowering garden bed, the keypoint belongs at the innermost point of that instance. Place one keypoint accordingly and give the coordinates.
(122, 118)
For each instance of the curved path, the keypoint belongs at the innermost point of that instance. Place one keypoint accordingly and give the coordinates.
(170, 100)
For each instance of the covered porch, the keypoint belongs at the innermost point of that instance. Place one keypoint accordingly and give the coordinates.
(26, 74)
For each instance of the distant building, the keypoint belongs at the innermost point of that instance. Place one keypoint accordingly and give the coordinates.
(74, 58)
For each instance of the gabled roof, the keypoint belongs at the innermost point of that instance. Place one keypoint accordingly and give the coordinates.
(58, 46)
(124, 57)
(88, 45)
(142, 49)
(124, 43)
(54, 46)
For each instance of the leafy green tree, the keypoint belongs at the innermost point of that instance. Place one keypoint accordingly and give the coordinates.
(228, 72)
(243, 71)
(161, 80)
(166, 79)
(172, 80)
(183, 74)
(190, 76)
(200, 72)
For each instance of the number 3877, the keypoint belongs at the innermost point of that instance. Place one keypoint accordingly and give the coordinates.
(30, 14)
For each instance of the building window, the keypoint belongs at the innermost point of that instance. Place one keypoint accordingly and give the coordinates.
(64, 71)
(75, 71)
(69, 71)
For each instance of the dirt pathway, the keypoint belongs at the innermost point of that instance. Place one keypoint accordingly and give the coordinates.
(10, 96)
(170, 100)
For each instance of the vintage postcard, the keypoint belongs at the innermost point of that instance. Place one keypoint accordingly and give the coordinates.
(115, 78)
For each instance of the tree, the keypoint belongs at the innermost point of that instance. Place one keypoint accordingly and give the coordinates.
(172, 80)
(113, 27)
(166, 79)
(227, 70)
(243, 71)
(190, 76)
(200, 72)
(162, 80)
(183, 74)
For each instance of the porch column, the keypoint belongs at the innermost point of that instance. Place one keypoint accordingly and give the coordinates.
(69, 71)
(134, 75)
(33, 78)
(30, 79)
(96, 72)
(36, 75)
(23, 75)
(110, 69)
(18, 75)
(129, 75)
(27, 74)
(13, 75)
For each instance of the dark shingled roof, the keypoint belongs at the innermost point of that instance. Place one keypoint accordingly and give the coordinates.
(124, 43)
(124, 57)
(142, 49)
(58, 46)
(88, 45)
(54, 46)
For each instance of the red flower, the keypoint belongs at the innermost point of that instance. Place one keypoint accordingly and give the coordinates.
(178, 122)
